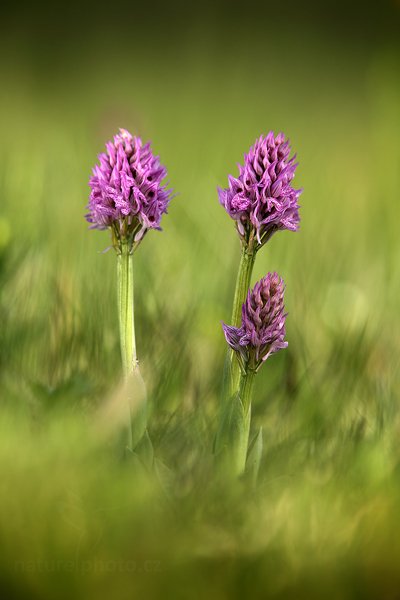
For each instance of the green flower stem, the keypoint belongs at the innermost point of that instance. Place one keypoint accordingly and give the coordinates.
(245, 394)
(136, 419)
(126, 310)
(242, 284)
(246, 389)
(242, 287)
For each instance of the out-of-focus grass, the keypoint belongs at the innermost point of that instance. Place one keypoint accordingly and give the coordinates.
(324, 519)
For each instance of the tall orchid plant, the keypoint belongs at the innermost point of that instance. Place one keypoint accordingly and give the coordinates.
(128, 198)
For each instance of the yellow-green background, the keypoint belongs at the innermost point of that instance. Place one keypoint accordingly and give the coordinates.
(201, 82)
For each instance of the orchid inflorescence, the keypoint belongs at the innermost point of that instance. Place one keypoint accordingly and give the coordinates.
(127, 194)
(261, 200)
(262, 331)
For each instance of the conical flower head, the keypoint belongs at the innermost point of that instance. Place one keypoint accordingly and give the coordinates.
(127, 193)
(262, 331)
(262, 200)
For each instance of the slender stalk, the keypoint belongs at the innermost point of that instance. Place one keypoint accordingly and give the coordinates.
(126, 310)
(127, 332)
(242, 287)
(234, 424)
(246, 389)
(245, 395)
(242, 284)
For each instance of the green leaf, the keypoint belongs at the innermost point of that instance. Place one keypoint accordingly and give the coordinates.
(123, 416)
(137, 400)
(227, 376)
(165, 476)
(254, 456)
(231, 440)
(145, 451)
(134, 461)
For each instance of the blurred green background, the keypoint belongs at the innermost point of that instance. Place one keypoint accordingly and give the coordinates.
(201, 82)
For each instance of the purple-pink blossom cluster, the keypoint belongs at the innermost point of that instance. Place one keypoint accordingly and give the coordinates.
(126, 188)
(261, 199)
(262, 331)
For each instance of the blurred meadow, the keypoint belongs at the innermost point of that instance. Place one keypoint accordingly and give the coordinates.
(201, 83)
